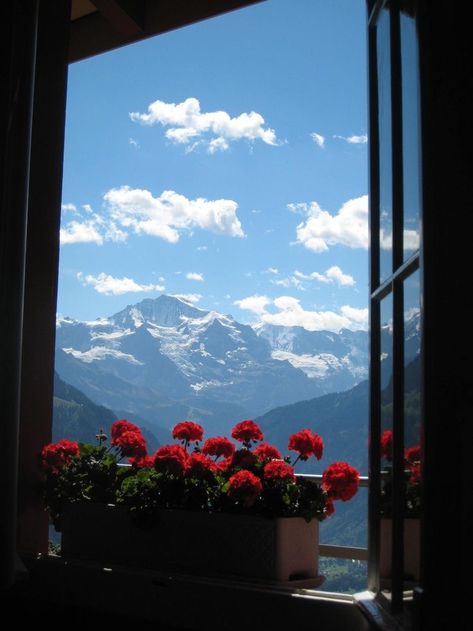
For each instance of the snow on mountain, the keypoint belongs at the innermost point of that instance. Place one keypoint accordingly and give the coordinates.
(166, 356)
(340, 360)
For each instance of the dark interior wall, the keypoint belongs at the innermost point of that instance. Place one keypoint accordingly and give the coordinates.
(446, 87)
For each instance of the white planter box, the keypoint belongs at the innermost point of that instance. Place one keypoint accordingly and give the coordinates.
(281, 549)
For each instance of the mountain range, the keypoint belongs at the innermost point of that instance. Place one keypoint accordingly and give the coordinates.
(164, 360)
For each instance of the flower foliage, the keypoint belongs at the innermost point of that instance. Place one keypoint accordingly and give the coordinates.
(412, 477)
(253, 479)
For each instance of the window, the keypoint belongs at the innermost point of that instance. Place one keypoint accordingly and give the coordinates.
(395, 466)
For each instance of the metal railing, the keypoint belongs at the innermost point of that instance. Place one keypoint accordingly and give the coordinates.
(339, 552)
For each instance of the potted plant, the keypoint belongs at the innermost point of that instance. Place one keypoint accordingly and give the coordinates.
(212, 505)
(411, 513)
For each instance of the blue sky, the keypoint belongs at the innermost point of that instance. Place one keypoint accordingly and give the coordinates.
(226, 162)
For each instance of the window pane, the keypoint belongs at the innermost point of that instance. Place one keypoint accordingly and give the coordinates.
(385, 160)
(410, 134)
(386, 415)
(412, 422)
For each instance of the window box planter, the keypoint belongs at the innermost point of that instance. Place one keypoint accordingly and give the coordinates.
(278, 549)
(411, 548)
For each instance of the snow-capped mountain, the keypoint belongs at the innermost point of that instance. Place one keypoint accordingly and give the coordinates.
(165, 359)
(338, 360)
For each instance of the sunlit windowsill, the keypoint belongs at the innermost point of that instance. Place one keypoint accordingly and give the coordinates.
(182, 599)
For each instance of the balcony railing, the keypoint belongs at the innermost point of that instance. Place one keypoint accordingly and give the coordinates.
(340, 552)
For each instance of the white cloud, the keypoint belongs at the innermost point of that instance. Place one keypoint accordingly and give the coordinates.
(69, 208)
(357, 316)
(186, 122)
(255, 304)
(76, 232)
(354, 140)
(194, 276)
(168, 215)
(291, 281)
(318, 139)
(218, 144)
(411, 239)
(321, 278)
(202, 248)
(192, 298)
(111, 286)
(348, 227)
(336, 275)
(289, 312)
(333, 274)
(134, 143)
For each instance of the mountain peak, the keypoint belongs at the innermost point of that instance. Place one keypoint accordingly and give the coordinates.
(167, 311)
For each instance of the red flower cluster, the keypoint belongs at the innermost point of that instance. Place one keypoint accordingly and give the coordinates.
(199, 466)
(341, 481)
(119, 427)
(278, 470)
(219, 446)
(171, 459)
(244, 487)
(306, 443)
(129, 439)
(145, 462)
(412, 454)
(387, 445)
(247, 431)
(55, 455)
(218, 477)
(266, 452)
(132, 444)
(188, 431)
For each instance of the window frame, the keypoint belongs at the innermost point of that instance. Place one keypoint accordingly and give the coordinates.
(392, 285)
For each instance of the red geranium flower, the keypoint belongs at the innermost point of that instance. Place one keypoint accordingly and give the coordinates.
(171, 459)
(121, 426)
(188, 431)
(306, 443)
(414, 473)
(412, 454)
(218, 446)
(131, 444)
(244, 487)
(267, 452)
(199, 466)
(144, 462)
(278, 470)
(387, 444)
(341, 481)
(246, 431)
(223, 465)
(56, 455)
(244, 459)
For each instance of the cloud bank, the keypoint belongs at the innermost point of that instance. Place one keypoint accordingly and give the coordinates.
(186, 124)
(287, 311)
(111, 286)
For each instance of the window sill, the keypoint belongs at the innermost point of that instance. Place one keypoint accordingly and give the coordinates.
(188, 601)
(379, 616)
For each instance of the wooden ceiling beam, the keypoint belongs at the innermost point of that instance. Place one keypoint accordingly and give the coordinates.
(120, 22)
(125, 16)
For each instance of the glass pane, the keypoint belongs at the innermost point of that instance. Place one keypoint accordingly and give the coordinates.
(410, 134)
(386, 414)
(412, 427)
(385, 161)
